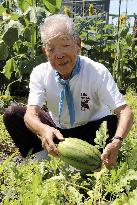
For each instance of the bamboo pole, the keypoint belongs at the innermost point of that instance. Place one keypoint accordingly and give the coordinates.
(119, 19)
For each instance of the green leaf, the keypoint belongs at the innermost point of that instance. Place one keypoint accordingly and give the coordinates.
(2, 9)
(36, 14)
(14, 16)
(101, 136)
(98, 36)
(86, 46)
(10, 36)
(124, 32)
(33, 18)
(3, 51)
(9, 68)
(6, 162)
(41, 13)
(58, 4)
(129, 40)
(107, 26)
(53, 5)
(24, 4)
(27, 34)
(76, 197)
(12, 30)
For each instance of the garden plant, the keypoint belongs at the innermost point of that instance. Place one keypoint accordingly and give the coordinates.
(27, 181)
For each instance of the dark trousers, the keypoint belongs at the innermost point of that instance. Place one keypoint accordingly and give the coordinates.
(25, 140)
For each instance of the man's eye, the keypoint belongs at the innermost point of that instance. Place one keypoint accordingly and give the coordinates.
(50, 49)
(66, 45)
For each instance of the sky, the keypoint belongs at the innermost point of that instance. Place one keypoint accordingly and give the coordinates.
(131, 8)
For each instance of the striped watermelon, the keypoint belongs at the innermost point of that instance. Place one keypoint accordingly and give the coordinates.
(79, 154)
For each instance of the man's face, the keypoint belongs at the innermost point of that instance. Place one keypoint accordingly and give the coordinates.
(61, 49)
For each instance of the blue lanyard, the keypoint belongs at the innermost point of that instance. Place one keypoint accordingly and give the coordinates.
(66, 92)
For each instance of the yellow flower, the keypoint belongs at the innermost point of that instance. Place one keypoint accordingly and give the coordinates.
(113, 55)
(66, 11)
(5, 97)
(122, 20)
(90, 9)
(135, 28)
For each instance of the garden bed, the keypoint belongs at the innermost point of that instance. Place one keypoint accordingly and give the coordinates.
(53, 183)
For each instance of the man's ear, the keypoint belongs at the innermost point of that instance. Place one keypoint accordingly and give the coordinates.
(78, 41)
(44, 49)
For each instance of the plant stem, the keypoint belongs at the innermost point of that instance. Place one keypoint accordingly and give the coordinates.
(78, 186)
(119, 19)
(33, 36)
(32, 40)
(83, 7)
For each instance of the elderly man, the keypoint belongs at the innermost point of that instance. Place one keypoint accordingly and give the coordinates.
(79, 93)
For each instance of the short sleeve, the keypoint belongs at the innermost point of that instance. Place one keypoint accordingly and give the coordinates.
(108, 91)
(37, 92)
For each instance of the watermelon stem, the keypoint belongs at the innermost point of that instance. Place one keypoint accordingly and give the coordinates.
(78, 186)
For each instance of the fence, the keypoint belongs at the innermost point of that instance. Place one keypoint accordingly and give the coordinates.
(84, 8)
(89, 8)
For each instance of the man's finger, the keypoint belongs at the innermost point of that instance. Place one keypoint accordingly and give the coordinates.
(110, 161)
(44, 143)
(105, 154)
(51, 146)
(58, 135)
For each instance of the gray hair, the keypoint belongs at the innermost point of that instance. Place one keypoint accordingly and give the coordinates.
(57, 18)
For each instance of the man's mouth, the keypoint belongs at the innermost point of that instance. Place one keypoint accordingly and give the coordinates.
(63, 64)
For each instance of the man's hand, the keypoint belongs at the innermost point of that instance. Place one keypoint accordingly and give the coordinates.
(46, 132)
(125, 121)
(47, 140)
(110, 153)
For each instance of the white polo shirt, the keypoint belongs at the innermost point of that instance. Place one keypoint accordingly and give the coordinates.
(93, 89)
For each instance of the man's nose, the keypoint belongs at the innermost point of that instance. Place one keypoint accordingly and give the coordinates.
(59, 53)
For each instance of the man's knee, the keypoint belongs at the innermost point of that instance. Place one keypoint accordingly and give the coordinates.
(12, 112)
(9, 112)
